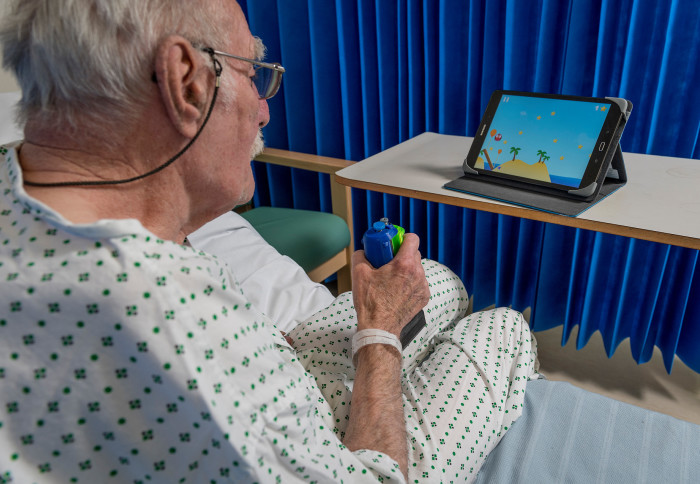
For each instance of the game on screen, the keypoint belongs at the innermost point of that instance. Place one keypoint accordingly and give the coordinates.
(542, 139)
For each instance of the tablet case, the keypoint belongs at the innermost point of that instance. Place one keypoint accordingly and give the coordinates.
(615, 178)
(550, 200)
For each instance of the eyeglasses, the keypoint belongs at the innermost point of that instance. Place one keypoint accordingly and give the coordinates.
(268, 77)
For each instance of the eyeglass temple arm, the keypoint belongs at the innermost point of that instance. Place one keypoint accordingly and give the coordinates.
(275, 67)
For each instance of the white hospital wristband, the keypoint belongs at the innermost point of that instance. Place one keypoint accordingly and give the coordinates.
(370, 337)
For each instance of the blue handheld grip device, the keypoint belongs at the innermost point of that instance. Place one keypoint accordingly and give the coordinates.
(381, 242)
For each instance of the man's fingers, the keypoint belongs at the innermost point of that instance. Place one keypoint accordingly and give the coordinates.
(410, 242)
(409, 247)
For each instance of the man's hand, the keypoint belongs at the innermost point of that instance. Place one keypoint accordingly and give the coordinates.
(387, 298)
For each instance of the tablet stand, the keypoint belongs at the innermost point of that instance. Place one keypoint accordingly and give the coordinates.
(616, 177)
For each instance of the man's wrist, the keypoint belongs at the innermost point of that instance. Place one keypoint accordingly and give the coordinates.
(367, 337)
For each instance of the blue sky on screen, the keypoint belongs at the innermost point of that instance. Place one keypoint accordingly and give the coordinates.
(566, 130)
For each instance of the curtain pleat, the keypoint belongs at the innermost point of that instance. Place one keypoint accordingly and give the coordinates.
(364, 75)
(453, 69)
(326, 79)
(682, 43)
(416, 69)
(387, 74)
(475, 61)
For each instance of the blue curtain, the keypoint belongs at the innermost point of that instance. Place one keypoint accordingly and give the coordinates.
(364, 75)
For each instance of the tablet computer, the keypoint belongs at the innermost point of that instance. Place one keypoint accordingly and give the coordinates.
(546, 142)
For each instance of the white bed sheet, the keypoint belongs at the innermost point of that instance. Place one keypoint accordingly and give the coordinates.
(567, 434)
(274, 283)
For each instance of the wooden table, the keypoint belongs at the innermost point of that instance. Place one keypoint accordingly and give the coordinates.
(660, 202)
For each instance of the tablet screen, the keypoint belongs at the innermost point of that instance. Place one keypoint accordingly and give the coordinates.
(543, 139)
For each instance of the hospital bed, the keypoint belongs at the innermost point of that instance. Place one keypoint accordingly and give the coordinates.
(565, 434)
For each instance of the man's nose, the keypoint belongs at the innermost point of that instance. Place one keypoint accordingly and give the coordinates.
(263, 113)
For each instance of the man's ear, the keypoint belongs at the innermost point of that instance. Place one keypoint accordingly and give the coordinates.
(184, 81)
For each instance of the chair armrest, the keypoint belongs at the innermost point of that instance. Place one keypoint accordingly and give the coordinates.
(293, 159)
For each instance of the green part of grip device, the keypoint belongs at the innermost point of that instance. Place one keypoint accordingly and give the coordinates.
(397, 240)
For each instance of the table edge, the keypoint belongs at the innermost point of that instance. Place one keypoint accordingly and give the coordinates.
(530, 214)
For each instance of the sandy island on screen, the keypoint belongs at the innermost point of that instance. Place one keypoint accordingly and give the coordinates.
(536, 171)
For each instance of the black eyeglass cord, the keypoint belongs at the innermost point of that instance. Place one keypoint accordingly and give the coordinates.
(92, 183)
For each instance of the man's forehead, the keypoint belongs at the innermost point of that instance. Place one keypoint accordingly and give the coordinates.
(243, 42)
(240, 33)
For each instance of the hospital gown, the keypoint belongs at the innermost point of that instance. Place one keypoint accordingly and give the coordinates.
(126, 356)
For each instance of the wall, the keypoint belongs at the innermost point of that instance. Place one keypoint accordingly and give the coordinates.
(7, 80)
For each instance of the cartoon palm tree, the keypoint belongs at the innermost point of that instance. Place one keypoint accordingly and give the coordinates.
(488, 158)
(545, 158)
(541, 154)
(515, 151)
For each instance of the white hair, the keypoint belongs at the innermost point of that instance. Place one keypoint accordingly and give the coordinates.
(94, 58)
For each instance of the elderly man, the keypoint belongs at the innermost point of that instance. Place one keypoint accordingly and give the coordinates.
(128, 354)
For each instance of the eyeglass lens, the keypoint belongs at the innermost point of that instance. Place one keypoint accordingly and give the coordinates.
(267, 81)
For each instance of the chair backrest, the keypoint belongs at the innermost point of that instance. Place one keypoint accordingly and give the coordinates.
(341, 202)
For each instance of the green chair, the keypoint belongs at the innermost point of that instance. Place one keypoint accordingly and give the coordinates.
(321, 243)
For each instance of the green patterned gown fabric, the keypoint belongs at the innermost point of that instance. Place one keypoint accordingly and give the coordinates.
(129, 357)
